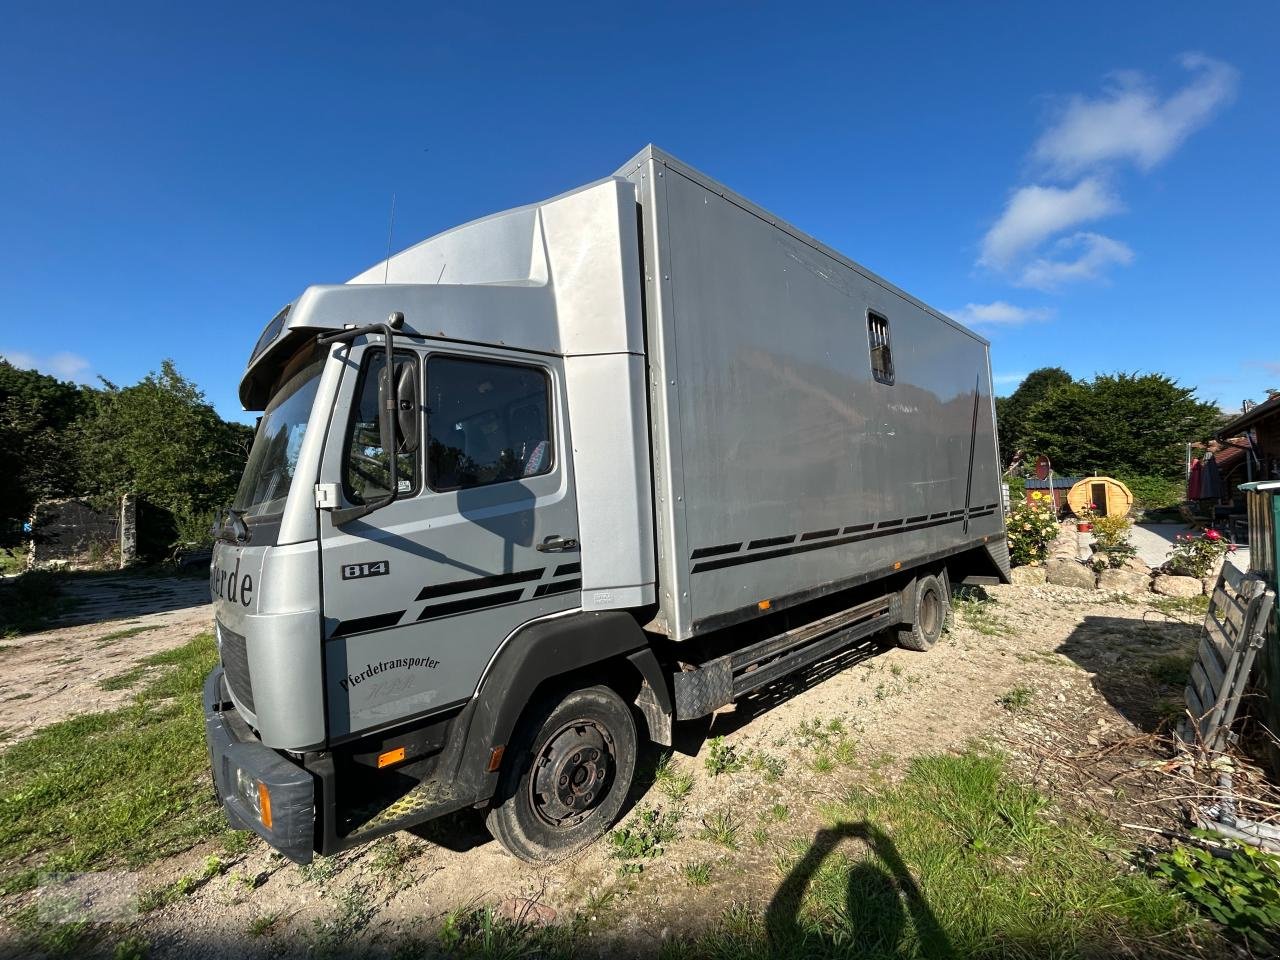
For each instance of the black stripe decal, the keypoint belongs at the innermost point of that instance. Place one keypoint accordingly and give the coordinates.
(437, 610)
(558, 586)
(361, 624)
(716, 551)
(819, 534)
(477, 583)
(923, 516)
(566, 568)
(770, 542)
(896, 528)
(889, 523)
(859, 527)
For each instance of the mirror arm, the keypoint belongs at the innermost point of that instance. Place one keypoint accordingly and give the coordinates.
(386, 413)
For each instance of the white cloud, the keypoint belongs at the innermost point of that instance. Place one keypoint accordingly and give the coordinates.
(1096, 253)
(1130, 122)
(1033, 214)
(999, 314)
(64, 366)
(1008, 379)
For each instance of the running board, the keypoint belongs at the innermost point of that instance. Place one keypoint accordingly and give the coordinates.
(720, 681)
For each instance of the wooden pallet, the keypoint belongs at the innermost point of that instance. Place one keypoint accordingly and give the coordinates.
(1233, 634)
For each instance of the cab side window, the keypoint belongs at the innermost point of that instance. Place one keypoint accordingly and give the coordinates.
(487, 422)
(365, 474)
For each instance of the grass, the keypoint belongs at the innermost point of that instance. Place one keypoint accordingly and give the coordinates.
(956, 860)
(768, 766)
(264, 923)
(122, 787)
(1017, 699)
(676, 784)
(697, 873)
(181, 888)
(1193, 608)
(721, 827)
(353, 910)
(482, 933)
(1171, 669)
(117, 635)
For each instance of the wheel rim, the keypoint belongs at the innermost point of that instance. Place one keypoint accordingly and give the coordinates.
(930, 613)
(572, 773)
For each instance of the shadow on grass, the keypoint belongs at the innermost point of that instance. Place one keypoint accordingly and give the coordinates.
(879, 901)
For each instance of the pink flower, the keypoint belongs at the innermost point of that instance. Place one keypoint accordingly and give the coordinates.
(1212, 534)
(1231, 548)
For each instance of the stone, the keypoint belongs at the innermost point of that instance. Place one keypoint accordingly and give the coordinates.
(1173, 586)
(1124, 581)
(1137, 566)
(1208, 583)
(1069, 573)
(1027, 576)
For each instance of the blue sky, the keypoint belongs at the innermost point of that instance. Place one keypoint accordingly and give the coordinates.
(1093, 186)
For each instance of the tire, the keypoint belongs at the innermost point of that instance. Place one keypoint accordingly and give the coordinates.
(932, 604)
(548, 806)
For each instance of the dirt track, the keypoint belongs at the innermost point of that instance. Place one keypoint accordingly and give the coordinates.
(1080, 656)
(112, 622)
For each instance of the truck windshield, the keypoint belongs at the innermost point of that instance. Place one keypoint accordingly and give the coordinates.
(269, 472)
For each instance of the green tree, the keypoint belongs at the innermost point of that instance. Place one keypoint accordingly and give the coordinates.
(161, 440)
(1011, 411)
(38, 419)
(1121, 423)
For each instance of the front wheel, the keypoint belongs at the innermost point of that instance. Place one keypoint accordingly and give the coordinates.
(570, 767)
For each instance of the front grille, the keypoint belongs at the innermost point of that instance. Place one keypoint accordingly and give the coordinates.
(235, 664)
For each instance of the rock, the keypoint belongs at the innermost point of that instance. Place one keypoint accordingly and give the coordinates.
(1137, 566)
(1124, 581)
(1027, 576)
(1069, 573)
(1208, 583)
(1174, 586)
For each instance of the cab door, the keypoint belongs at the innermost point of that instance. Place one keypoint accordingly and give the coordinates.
(419, 594)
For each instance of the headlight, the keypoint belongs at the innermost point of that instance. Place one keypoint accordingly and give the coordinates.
(255, 795)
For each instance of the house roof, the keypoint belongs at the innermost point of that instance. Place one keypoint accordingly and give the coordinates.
(1268, 408)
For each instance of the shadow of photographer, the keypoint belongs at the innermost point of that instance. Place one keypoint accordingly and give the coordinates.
(880, 897)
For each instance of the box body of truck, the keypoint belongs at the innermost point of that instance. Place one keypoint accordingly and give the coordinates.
(641, 443)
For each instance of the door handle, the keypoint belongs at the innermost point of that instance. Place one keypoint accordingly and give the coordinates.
(555, 544)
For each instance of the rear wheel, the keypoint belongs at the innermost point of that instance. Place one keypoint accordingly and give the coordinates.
(932, 603)
(569, 769)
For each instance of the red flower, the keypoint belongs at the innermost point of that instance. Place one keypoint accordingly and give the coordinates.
(1212, 534)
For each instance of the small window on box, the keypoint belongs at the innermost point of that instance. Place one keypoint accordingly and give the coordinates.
(878, 341)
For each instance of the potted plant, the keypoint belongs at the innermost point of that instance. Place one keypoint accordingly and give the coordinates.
(1085, 518)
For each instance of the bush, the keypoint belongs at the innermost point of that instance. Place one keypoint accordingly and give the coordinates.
(1112, 537)
(1017, 489)
(1154, 493)
(1032, 527)
(1194, 556)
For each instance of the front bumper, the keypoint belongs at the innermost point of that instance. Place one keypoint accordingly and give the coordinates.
(237, 757)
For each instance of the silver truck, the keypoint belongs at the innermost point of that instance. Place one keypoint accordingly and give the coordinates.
(556, 479)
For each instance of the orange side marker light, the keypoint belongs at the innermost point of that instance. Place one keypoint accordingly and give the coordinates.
(390, 757)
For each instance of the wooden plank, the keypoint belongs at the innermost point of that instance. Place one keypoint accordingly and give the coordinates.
(1211, 664)
(1193, 703)
(1231, 576)
(1234, 614)
(1213, 630)
(1203, 686)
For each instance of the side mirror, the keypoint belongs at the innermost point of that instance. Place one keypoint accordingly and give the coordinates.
(408, 418)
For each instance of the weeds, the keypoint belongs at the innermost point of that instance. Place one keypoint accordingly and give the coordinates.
(697, 874)
(974, 607)
(1171, 669)
(335, 933)
(722, 828)
(768, 766)
(643, 839)
(723, 757)
(1019, 698)
(116, 636)
(264, 923)
(674, 783)
(1236, 885)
